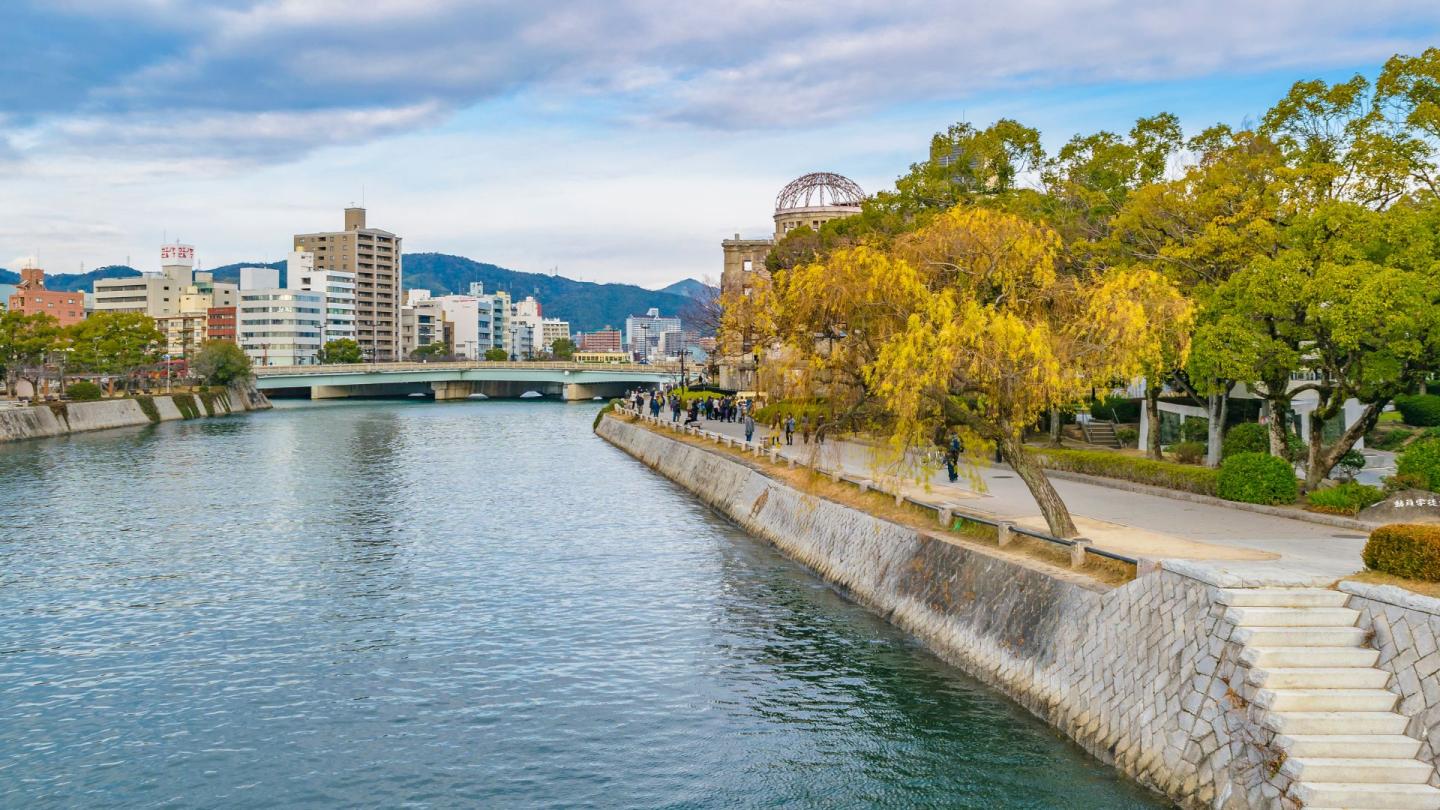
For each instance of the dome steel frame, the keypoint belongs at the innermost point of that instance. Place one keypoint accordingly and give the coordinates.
(819, 189)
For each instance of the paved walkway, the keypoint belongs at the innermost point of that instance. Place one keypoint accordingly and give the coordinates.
(1236, 541)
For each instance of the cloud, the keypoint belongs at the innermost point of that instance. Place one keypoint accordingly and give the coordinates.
(333, 71)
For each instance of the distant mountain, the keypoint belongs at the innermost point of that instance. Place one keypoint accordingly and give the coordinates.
(70, 282)
(586, 305)
(230, 273)
(690, 288)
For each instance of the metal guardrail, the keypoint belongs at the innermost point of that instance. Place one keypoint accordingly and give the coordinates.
(947, 514)
(380, 368)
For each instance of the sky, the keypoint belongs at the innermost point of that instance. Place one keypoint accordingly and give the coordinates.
(606, 140)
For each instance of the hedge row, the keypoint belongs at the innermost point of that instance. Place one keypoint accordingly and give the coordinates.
(1419, 410)
(1200, 480)
(1405, 550)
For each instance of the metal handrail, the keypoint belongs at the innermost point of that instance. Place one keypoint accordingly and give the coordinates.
(973, 518)
(378, 368)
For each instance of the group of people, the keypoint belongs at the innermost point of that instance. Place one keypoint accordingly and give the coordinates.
(728, 408)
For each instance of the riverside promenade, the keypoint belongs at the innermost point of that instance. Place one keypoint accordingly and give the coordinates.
(1250, 545)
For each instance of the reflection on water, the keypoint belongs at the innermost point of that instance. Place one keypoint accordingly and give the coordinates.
(472, 604)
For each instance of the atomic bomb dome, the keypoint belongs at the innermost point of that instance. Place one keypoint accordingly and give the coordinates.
(816, 198)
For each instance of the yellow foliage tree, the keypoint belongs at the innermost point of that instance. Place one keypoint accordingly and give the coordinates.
(1000, 337)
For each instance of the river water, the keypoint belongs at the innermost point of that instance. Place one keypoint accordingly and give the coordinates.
(472, 604)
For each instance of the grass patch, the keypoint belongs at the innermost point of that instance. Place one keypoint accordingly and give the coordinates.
(186, 404)
(1420, 586)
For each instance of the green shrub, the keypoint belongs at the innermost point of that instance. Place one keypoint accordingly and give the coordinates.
(767, 414)
(1257, 478)
(83, 391)
(1399, 482)
(1420, 410)
(1405, 550)
(1390, 439)
(1195, 429)
(1422, 461)
(1351, 463)
(1246, 437)
(1345, 499)
(1184, 477)
(609, 408)
(1127, 436)
(1189, 452)
(1118, 409)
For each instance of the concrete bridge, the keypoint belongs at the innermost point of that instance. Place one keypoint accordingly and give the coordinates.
(459, 380)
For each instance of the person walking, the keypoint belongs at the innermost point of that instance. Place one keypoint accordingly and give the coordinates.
(749, 428)
(805, 428)
(819, 430)
(790, 429)
(952, 458)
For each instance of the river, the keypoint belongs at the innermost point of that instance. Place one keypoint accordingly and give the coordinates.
(474, 604)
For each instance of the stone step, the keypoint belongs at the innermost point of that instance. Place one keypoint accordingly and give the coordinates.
(1263, 637)
(1282, 597)
(1293, 616)
(1287, 657)
(1374, 771)
(1327, 700)
(1355, 796)
(1320, 678)
(1377, 746)
(1342, 723)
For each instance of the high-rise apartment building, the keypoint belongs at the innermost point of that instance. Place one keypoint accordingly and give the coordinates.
(602, 340)
(278, 326)
(338, 287)
(373, 256)
(551, 330)
(643, 332)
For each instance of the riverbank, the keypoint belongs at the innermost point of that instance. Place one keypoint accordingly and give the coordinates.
(1166, 677)
(62, 418)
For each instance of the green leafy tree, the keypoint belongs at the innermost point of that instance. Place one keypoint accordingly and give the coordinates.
(25, 343)
(341, 351)
(431, 351)
(220, 362)
(496, 355)
(563, 349)
(118, 343)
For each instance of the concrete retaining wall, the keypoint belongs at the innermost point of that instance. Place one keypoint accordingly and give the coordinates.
(41, 421)
(1140, 675)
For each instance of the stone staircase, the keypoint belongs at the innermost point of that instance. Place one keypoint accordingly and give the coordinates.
(1315, 674)
(1100, 432)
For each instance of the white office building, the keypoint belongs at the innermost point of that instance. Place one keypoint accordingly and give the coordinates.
(462, 315)
(278, 326)
(338, 287)
(644, 332)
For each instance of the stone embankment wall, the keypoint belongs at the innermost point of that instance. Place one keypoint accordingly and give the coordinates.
(1406, 628)
(41, 421)
(1144, 676)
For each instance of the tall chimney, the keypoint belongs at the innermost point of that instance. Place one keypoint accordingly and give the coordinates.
(354, 219)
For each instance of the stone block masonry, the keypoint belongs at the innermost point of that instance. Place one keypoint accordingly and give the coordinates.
(1406, 631)
(1148, 676)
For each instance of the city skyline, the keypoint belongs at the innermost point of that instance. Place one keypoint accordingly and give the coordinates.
(617, 145)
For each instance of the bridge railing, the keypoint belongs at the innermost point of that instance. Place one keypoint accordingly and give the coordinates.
(382, 368)
(947, 513)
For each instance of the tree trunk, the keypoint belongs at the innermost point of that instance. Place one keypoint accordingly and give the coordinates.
(1323, 460)
(1057, 516)
(1055, 440)
(1215, 434)
(1279, 415)
(1152, 415)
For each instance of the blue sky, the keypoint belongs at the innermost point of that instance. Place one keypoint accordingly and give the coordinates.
(615, 141)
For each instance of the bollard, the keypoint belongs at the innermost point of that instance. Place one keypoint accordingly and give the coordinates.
(790, 462)
(864, 487)
(774, 456)
(899, 497)
(835, 476)
(1003, 534)
(1077, 552)
(946, 516)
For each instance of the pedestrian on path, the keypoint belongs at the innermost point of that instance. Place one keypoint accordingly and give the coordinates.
(819, 430)
(952, 458)
(749, 428)
(790, 429)
(805, 428)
